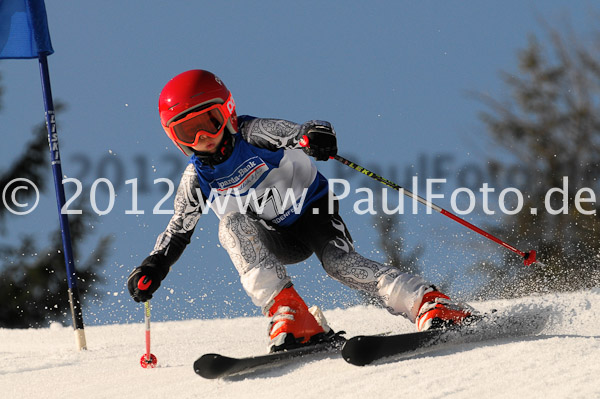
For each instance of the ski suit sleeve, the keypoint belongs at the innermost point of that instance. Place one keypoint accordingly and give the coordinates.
(187, 210)
(271, 134)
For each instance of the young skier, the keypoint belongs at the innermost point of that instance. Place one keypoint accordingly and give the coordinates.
(269, 158)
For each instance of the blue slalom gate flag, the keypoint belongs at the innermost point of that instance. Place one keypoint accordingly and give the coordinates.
(24, 34)
(24, 29)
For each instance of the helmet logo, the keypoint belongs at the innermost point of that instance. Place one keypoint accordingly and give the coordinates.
(218, 80)
(230, 105)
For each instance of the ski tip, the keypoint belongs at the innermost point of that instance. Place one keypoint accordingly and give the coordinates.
(212, 365)
(354, 351)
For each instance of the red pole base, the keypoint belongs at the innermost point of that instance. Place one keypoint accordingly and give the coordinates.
(148, 363)
(529, 258)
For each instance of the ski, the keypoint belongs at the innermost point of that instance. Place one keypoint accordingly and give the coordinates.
(214, 365)
(366, 349)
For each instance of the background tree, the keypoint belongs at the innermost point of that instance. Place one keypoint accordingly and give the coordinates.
(551, 124)
(393, 246)
(33, 284)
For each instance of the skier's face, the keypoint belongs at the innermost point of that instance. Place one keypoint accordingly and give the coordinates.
(208, 144)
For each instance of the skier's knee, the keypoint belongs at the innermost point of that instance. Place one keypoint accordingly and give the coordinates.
(335, 248)
(230, 226)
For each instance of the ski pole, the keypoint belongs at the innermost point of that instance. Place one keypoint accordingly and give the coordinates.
(148, 360)
(528, 257)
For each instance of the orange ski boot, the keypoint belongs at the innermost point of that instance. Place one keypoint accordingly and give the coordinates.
(293, 324)
(438, 311)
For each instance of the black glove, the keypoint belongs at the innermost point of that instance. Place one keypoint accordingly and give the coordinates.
(143, 282)
(317, 139)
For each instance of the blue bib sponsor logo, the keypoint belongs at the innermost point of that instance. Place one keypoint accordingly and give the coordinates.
(243, 177)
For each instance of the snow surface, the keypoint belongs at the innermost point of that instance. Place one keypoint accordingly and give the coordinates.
(561, 362)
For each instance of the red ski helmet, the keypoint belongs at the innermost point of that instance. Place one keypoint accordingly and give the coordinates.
(199, 97)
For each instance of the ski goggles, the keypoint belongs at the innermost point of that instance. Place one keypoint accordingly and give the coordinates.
(210, 121)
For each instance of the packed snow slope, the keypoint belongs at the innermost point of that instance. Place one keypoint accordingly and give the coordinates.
(560, 362)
